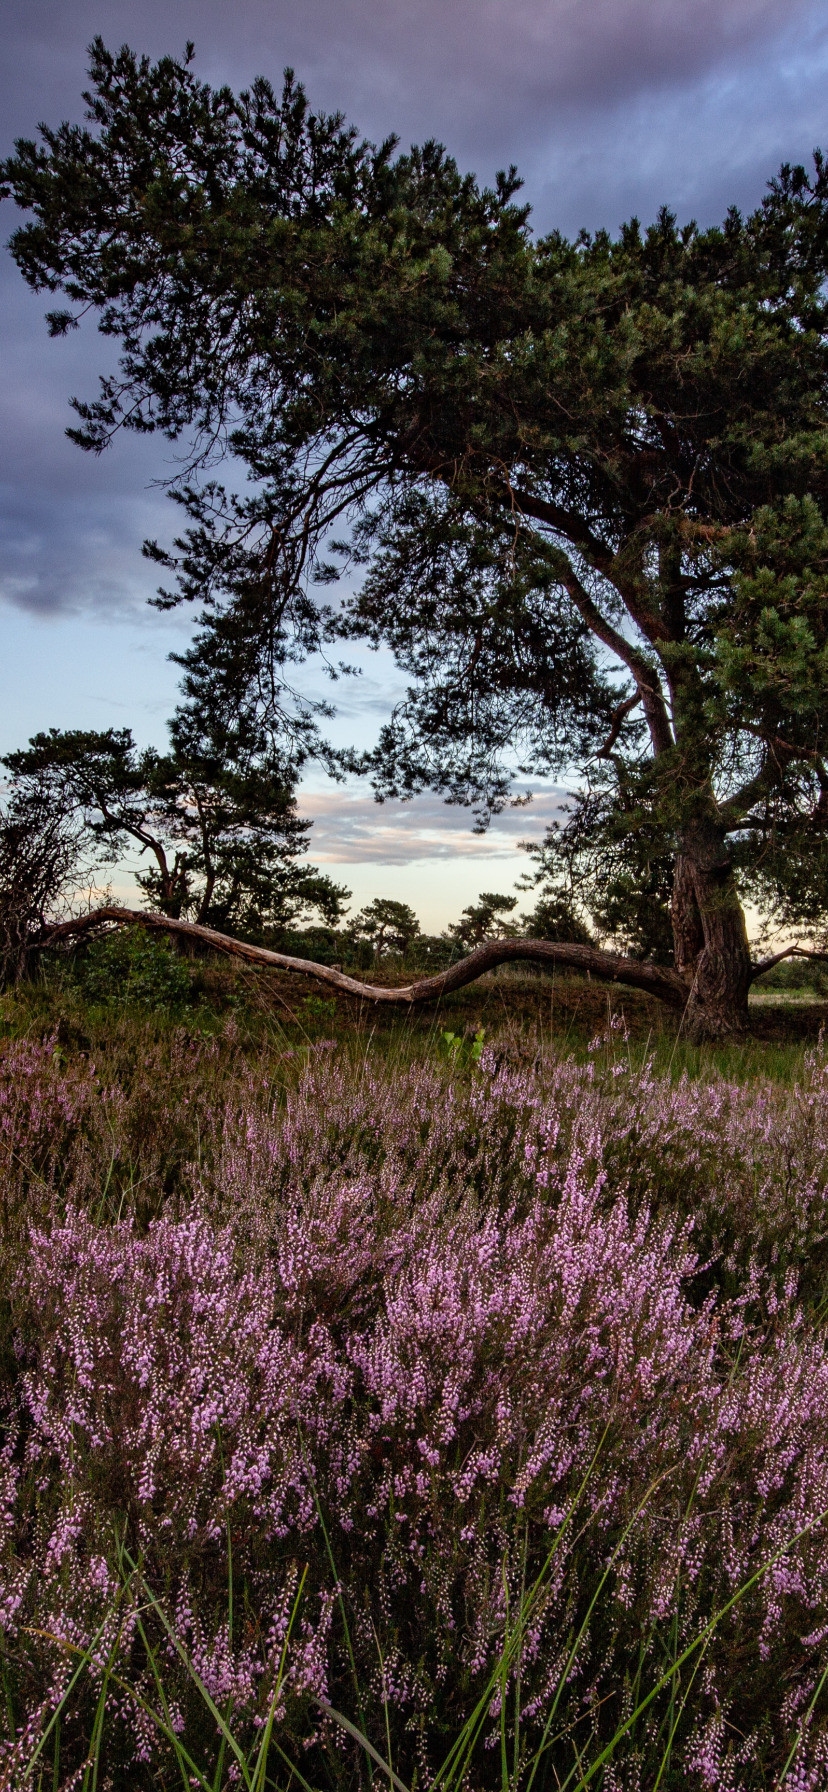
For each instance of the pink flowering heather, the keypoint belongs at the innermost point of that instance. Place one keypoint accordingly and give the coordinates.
(405, 1362)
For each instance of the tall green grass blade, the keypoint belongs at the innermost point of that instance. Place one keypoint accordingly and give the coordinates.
(94, 1761)
(131, 1692)
(261, 1759)
(384, 1702)
(181, 1652)
(516, 1755)
(504, 1681)
(699, 1642)
(229, 1711)
(166, 1724)
(358, 1736)
(803, 1725)
(459, 1755)
(585, 1621)
(56, 1759)
(338, 1584)
(85, 1655)
(675, 1721)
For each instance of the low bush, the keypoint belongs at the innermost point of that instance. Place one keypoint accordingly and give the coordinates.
(133, 967)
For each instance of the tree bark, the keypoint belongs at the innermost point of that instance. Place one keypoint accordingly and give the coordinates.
(688, 933)
(710, 937)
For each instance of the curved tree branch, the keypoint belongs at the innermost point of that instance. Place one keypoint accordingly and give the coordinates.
(575, 530)
(732, 813)
(654, 979)
(609, 967)
(605, 752)
(767, 964)
(646, 678)
(604, 560)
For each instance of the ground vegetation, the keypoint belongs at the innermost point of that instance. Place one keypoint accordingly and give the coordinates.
(321, 1435)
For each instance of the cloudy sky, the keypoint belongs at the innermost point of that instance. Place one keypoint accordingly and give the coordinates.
(608, 106)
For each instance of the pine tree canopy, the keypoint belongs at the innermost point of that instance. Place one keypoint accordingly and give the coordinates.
(583, 484)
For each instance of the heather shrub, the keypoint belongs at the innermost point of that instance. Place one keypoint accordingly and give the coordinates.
(747, 1164)
(418, 1390)
(69, 1130)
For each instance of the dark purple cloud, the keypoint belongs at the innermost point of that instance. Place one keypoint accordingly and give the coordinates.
(490, 77)
(609, 106)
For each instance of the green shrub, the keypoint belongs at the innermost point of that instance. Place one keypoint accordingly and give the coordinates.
(135, 968)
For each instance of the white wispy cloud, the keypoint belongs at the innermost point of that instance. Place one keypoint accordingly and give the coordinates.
(350, 828)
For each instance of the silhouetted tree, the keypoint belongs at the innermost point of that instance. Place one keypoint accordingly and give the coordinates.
(605, 863)
(41, 862)
(216, 817)
(554, 918)
(389, 926)
(485, 920)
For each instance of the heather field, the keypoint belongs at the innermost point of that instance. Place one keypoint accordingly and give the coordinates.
(435, 1404)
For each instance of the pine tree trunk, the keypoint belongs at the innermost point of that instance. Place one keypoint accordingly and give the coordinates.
(710, 937)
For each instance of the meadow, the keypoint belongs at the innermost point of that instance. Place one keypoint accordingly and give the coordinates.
(415, 1403)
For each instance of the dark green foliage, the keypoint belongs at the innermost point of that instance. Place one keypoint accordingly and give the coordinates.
(430, 953)
(462, 1049)
(587, 481)
(353, 950)
(499, 666)
(795, 976)
(133, 968)
(216, 817)
(389, 927)
(554, 918)
(322, 944)
(485, 920)
(317, 1012)
(41, 849)
(607, 861)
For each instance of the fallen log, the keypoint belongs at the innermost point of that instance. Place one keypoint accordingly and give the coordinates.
(609, 967)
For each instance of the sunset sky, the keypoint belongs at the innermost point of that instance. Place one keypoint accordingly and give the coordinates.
(609, 107)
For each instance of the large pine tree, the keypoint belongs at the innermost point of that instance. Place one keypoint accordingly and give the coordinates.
(587, 480)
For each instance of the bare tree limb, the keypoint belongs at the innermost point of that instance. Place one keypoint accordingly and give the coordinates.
(767, 964)
(733, 812)
(609, 967)
(604, 559)
(616, 726)
(525, 503)
(646, 677)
